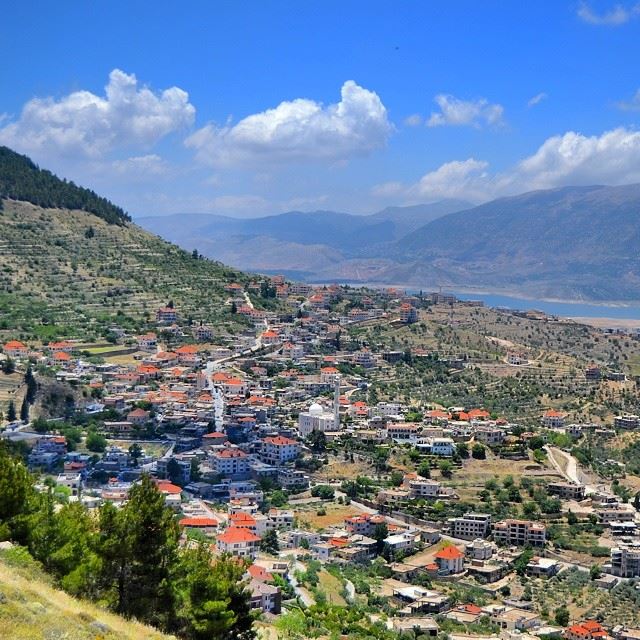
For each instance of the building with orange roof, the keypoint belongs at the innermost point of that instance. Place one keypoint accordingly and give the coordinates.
(553, 419)
(279, 450)
(450, 560)
(16, 349)
(207, 526)
(239, 542)
(587, 630)
(229, 462)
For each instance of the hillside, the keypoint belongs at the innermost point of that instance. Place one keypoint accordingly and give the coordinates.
(573, 242)
(31, 609)
(74, 272)
(304, 244)
(21, 179)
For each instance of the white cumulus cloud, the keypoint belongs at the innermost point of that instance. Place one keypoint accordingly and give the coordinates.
(297, 130)
(84, 124)
(537, 99)
(459, 178)
(617, 15)
(612, 158)
(456, 112)
(576, 159)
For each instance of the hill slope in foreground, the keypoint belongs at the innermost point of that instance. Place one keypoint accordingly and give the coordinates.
(31, 608)
(69, 271)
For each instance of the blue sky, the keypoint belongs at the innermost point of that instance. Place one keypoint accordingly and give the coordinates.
(258, 107)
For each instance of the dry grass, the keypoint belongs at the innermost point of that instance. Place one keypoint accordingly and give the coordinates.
(331, 587)
(34, 610)
(335, 515)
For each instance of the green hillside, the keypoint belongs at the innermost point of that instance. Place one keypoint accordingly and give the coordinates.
(72, 272)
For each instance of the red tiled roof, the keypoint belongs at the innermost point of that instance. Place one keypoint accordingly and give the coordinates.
(449, 553)
(198, 522)
(235, 535)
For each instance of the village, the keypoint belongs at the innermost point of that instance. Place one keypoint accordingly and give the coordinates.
(273, 447)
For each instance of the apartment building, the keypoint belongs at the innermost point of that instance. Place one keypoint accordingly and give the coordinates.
(520, 533)
(470, 526)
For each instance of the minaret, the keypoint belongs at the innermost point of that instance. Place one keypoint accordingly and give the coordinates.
(336, 404)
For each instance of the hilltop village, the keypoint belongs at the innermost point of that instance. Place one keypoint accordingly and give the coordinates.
(433, 463)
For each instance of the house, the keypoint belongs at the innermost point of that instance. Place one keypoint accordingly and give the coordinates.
(239, 542)
(450, 560)
(16, 349)
(206, 526)
(166, 315)
(265, 597)
(624, 561)
(470, 526)
(229, 462)
(138, 417)
(270, 337)
(553, 419)
(279, 450)
(587, 630)
(520, 533)
(202, 333)
(148, 342)
(567, 490)
(626, 421)
(408, 314)
(542, 567)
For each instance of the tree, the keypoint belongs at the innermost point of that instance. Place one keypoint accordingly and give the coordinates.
(16, 490)
(446, 468)
(11, 412)
(380, 533)
(478, 451)
(8, 366)
(32, 386)
(215, 603)
(521, 562)
(562, 616)
(96, 442)
(572, 518)
(396, 478)
(317, 441)
(195, 473)
(462, 449)
(234, 308)
(24, 411)
(595, 571)
(138, 548)
(424, 470)
(323, 491)
(269, 542)
(135, 451)
(174, 471)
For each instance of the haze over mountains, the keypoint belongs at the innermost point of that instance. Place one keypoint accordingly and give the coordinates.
(574, 243)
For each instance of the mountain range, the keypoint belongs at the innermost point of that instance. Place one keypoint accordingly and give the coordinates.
(571, 243)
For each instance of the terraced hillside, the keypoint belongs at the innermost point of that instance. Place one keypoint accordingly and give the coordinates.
(64, 272)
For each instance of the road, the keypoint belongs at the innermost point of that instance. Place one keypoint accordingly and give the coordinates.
(570, 469)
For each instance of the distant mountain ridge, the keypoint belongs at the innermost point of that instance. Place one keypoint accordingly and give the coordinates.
(572, 243)
(295, 241)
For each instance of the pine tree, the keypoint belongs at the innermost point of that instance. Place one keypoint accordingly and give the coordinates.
(214, 598)
(11, 412)
(24, 411)
(138, 546)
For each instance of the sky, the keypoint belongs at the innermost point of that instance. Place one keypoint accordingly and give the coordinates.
(254, 108)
